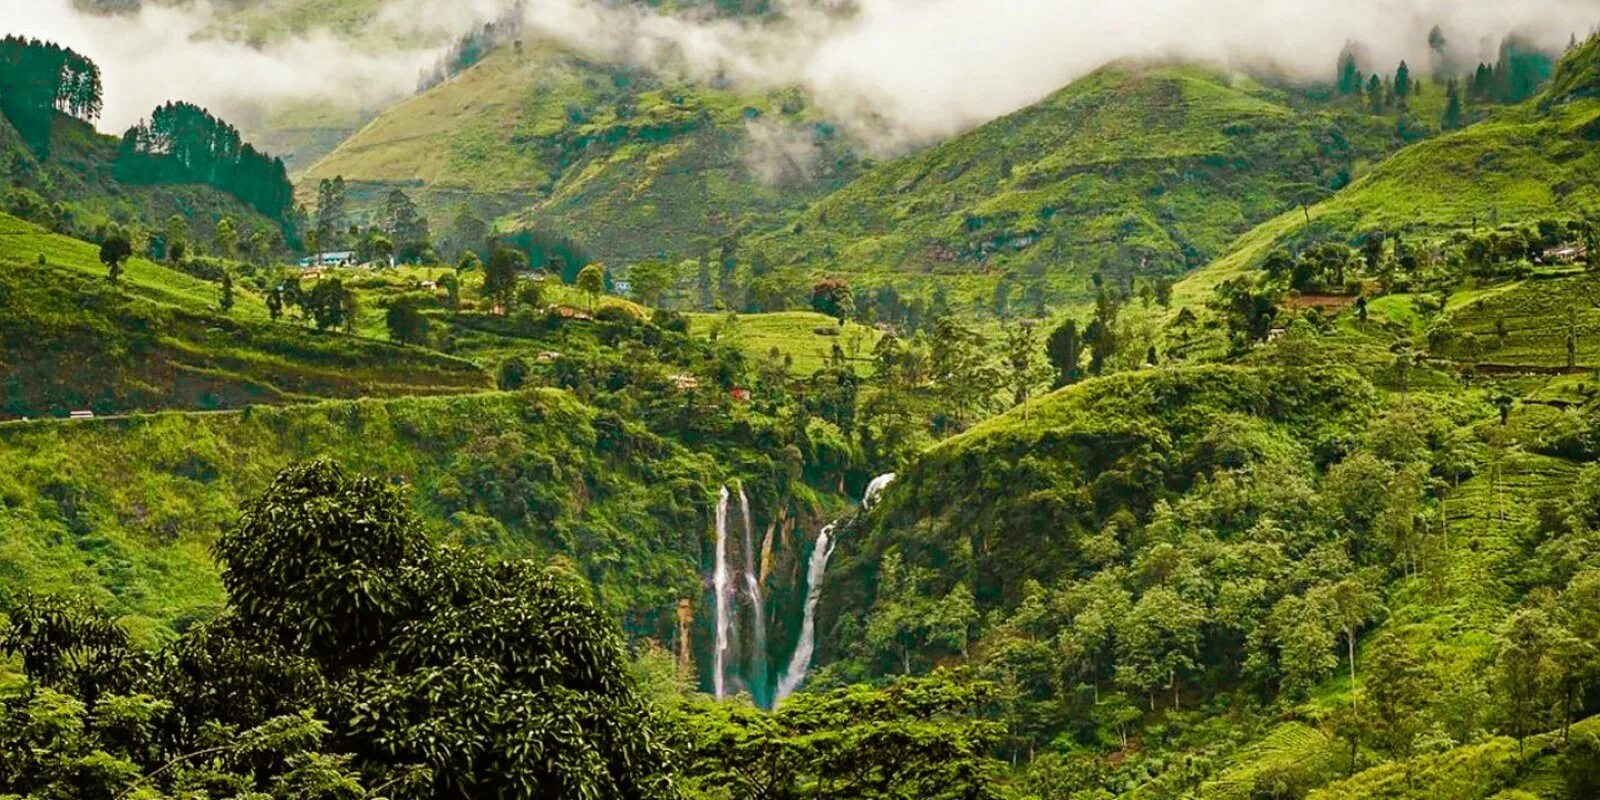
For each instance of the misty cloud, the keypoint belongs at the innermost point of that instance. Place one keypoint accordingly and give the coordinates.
(162, 53)
(903, 72)
(893, 72)
(779, 154)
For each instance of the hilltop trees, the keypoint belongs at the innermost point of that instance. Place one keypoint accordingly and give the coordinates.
(38, 79)
(592, 282)
(183, 143)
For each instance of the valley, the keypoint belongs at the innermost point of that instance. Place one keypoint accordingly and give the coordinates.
(579, 427)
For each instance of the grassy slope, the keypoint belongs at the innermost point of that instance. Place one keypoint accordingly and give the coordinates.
(622, 162)
(806, 337)
(69, 340)
(1518, 165)
(1149, 170)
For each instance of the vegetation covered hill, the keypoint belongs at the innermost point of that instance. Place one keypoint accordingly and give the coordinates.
(73, 188)
(1521, 165)
(71, 340)
(1132, 172)
(1140, 557)
(627, 165)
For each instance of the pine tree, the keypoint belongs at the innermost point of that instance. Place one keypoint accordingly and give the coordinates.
(1452, 108)
(1402, 80)
(1349, 78)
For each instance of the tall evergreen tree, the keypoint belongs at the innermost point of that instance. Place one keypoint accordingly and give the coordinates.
(1452, 106)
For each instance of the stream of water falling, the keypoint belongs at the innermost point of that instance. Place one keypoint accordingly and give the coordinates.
(816, 570)
(724, 598)
(752, 576)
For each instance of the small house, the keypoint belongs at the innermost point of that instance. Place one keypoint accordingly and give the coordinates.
(741, 395)
(81, 415)
(342, 258)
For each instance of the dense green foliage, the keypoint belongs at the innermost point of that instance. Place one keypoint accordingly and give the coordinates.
(439, 672)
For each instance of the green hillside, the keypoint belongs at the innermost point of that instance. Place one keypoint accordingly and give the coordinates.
(69, 340)
(1521, 165)
(1133, 171)
(126, 509)
(628, 165)
(77, 175)
(1138, 558)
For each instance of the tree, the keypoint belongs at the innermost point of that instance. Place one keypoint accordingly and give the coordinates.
(651, 280)
(1101, 336)
(406, 227)
(1402, 82)
(406, 323)
(963, 377)
(1523, 643)
(275, 302)
(226, 301)
(832, 296)
(500, 277)
(1349, 74)
(1353, 605)
(1022, 361)
(227, 238)
(592, 282)
(330, 214)
(331, 304)
(1065, 347)
(1453, 114)
(1375, 94)
(452, 289)
(114, 251)
(537, 672)
(1157, 641)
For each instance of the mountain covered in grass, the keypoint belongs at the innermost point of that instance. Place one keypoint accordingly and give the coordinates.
(1135, 171)
(629, 165)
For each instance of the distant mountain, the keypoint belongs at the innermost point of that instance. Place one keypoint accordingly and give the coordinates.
(1133, 171)
(628, 164)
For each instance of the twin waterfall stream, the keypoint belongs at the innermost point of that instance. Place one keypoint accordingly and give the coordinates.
(728, 654)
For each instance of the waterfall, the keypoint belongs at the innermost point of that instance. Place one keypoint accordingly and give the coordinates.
(815, 571)
(758, 626)
(800, 662)
(875, 490)
(724, 599)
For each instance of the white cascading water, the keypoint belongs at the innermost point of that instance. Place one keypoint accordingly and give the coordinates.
(800, 663)
(752, 579)
(875, 489)
(815, 571)
(724, 601)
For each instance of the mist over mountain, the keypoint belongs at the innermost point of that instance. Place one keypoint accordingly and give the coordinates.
(897, 72)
